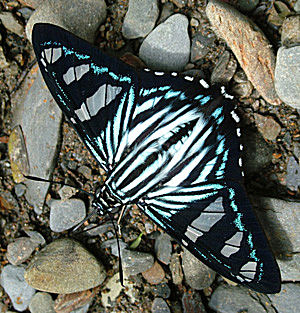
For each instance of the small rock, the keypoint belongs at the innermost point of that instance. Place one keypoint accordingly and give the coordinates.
(26, 13)
(20, 250)
(140, 18)
(242, 90)
(159, 305)
(65, 214)
(200, 47)
(197, 275)
(297, 6)
(95, 229)
(12, 280)
(41, 302)
(155, 274)
(180, 3)
(176, 269)
(113, 245)
(82, 18)
(114, 288)
(192, 303)
(64, 266)
(10, 23)
(256, 56)
(224, 69)
(162, 291)
(166, 12)
(288, 299)
(267, 126)
(228, 299)
(167, 47)
(3, 61)
(135, 262)
(281, 222)
(36, 237)
(247, 5)
(149, 227)
(293, 174)
(290, 34)
(163, 248)
(65, 303)
(85, 171)
(66, 192)
(20, 190)
(287, 75)
(83, 309)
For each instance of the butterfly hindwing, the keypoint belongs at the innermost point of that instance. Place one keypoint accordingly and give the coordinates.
(169, 144)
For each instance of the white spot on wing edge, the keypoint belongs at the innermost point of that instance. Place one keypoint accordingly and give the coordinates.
(174, 74)
(225, 94)
(159, 73)
(204, 83)
(147, 69)
(189, 78)
(43, 62)
(240, 162)
(238, 132)
(235, 116)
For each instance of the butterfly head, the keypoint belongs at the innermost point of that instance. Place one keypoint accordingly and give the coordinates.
(103, 201)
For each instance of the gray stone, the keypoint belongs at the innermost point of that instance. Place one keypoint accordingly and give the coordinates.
(20, 293)
(36, 237)
(197, 275)
(176, 269)
(224, 69)
(66, 192)
(242, 90)
(11, 24)
(281, 220)
(40, 118)
(162, 291)
(95, 229)
(290, 34)
(64, 266)
(113, 245)
(293, 174)
(85, 171)
(287, 75)
(82, 18)
(140, 18)
(20, 190)
(192, 303)
(166, 12)
(163, 248)
(20, 250)
(135, 262)
(167, 47)
(26, 13)
(297, 6)
(288, 299)
(257, 152)
(3, 61)
(159, 305)
(82, 309)
(41, 302)
(228, 299)
(200, 47)
(65, 214)
(247, 5)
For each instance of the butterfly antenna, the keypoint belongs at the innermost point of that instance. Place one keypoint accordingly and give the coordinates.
(119, 250)
(74, 230)
(35, 178)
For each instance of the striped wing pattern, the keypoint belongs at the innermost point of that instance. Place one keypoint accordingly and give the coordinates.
(169, 144)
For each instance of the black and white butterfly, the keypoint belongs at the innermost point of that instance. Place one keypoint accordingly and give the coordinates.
(169, 144)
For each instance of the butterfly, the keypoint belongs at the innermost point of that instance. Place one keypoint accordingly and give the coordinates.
(169, 144)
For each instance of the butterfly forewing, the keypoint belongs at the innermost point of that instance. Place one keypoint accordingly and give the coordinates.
(169, 144)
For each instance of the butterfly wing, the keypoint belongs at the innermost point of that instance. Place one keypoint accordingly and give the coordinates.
(168, 144)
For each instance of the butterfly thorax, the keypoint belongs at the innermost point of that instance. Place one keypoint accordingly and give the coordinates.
(104, 202)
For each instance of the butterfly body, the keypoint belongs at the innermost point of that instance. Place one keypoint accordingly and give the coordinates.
(169, 144)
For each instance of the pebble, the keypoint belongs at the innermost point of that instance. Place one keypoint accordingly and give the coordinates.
(85, 171)
(256, 56)
(290, 34)
(26, 13)
(11, 24)
(140, 18)
(20, 190)
(257, 152)
(192, 303)
(166, 12)
(176, 269)
(34, 119)
(293, 174)
(82, 18)
(12, 280)
(267, 126)
(64, 266)
(66, 192)
(113, 245)
(287, 75)
(35, 237)
(197, 275)
(167, 47)
(163, 248)
(20, 250)
(3, 61)
(99, 229)
(41, 302)
(288, 299)
(162, 291)
(297, 6)
(247, 5)
(65, 214)
(224, 69)
(242, 90)
(114, 288)
(155, 274)
(135, 262)
(228, 299)
(159, 305)
(281, 220)
(180, 3)
(200, 47)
